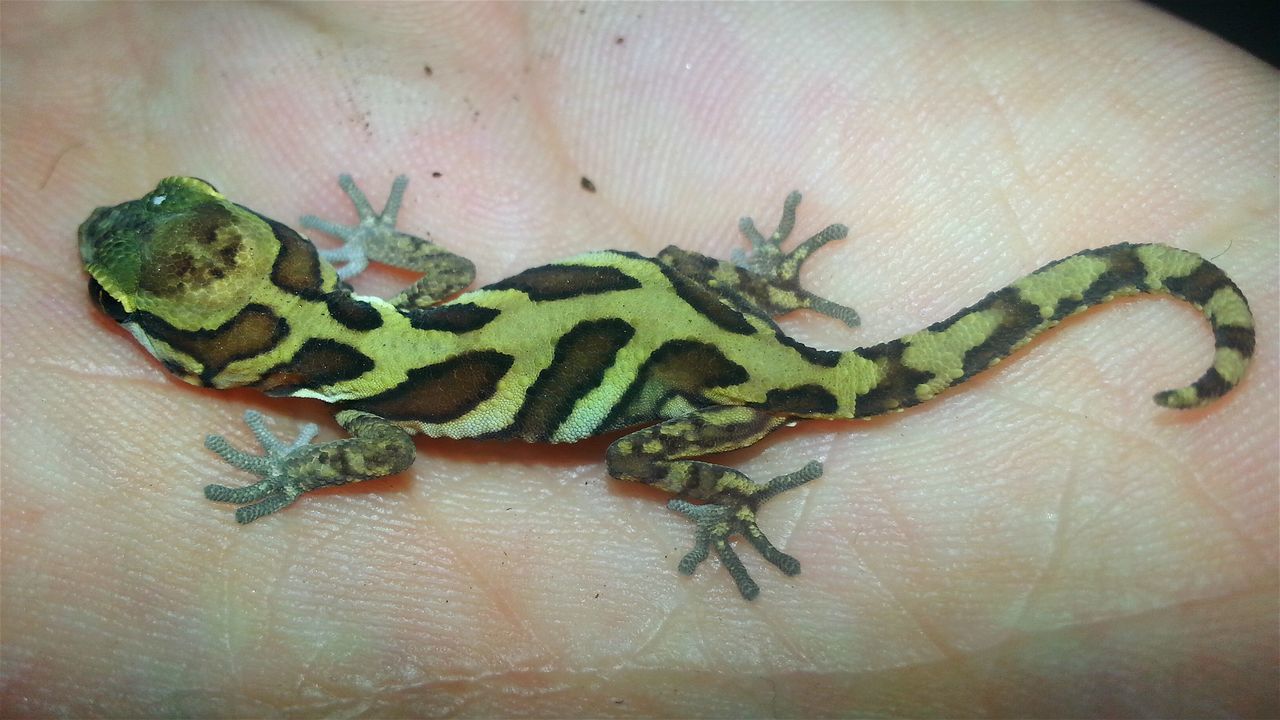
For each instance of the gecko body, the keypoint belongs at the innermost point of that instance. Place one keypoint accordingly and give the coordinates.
(679, 349)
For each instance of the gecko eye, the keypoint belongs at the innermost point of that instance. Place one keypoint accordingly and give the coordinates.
(106, 303)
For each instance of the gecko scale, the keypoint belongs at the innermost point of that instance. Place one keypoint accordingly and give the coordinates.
(680, 350)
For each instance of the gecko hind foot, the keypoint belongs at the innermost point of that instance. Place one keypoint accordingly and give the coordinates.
(278, 487)
(767, 259)
(716, 522)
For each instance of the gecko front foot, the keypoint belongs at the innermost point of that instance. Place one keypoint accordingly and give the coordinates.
(278, 487)
(782, 270)
(376, 448)
(376, 238)
(716, 522)
(373, 228)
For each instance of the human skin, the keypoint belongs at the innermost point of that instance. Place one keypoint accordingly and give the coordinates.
(1043, 541)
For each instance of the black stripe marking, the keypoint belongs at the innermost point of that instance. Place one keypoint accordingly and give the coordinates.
(1018, 319)
(459, 318)
(253, 331)
(1198, 286)
(1212, 385)
(821, 358)
(705, 302)
(175, 368)
(750, 292)
(897, 386)
(441, 392)
(561, 282)
(106, 302)
(1125, 272)
(351, 313)
(1237, 338)
(582, 357)
(319, 362)
(800, 400)
(1124, 265)
(747, 290)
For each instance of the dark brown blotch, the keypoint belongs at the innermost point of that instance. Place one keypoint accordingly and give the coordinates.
(228, 254)
(561, 282)
(897, 386)
(253, 331)
(679, 368)
(801, 400)
(351, 313)
(441, 392)
(1017, 320)
(319, 362)
(1125, 272)
(459, 318)
(691, 367)
(176, 264)
(297, 266)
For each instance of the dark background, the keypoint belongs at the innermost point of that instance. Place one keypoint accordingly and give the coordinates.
(1254, 26)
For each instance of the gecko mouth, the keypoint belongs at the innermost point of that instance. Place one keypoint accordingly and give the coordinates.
(106, 303)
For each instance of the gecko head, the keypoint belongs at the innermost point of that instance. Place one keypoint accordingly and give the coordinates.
(182, 252)
(195, 277)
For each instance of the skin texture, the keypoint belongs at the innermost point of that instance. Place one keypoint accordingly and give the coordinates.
(1043, 541)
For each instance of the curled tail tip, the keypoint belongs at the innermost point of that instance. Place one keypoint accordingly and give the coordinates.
(1190, 277)
(1217, 381)
(1184, 398)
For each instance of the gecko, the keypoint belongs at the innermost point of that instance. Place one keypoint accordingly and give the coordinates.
(678, 353)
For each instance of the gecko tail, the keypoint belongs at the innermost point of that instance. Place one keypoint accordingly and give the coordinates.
(1206, 287)
(918, 366)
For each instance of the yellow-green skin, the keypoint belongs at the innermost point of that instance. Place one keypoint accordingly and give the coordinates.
(682, 346)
